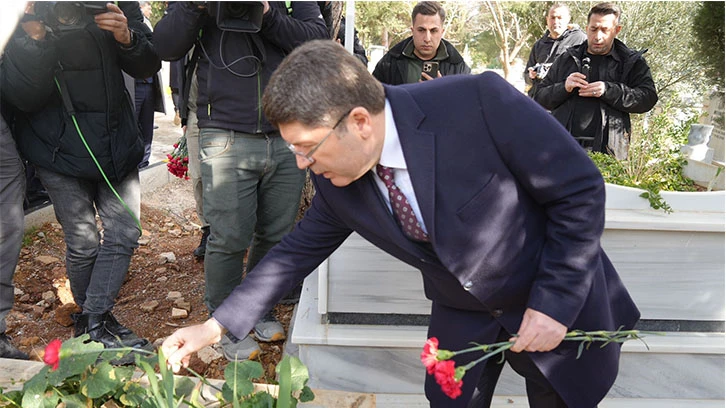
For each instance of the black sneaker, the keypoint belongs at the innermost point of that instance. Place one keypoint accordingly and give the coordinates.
(202, 248)
(7, 350)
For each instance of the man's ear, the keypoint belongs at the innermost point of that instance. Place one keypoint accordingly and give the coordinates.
(359, 122)
(617, 29)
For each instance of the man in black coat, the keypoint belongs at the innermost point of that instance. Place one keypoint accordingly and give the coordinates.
(593, 88)
(558, 37)
(73, 119)
(403, 64)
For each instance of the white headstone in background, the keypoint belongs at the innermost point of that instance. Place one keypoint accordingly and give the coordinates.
(714, 108)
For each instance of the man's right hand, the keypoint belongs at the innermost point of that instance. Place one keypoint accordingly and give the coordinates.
(34, 29)
(532, 73)
(575, 80)
(182, 343)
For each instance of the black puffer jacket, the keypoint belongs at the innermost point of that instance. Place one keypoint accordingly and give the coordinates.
(392, 68)
(629, 89)
(91, 62)
(235, 67)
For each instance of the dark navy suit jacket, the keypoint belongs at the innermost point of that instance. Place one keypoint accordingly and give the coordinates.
(514, 209)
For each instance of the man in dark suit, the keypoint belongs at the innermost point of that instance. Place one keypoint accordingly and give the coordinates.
(508, 214)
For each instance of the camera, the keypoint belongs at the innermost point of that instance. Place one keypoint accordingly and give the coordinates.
(239, 16)
(63, 16)
(541, 70)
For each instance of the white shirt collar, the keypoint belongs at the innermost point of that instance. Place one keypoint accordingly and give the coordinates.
(392, 154)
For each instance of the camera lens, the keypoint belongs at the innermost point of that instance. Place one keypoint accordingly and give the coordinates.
(237, 10)
(68, 13)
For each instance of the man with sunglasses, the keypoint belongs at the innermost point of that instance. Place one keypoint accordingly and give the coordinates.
(491, 199)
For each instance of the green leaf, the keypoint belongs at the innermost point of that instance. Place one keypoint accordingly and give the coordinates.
(77, 354)
(306, 395)
(34, 390)
(580, 348)
(284, 396)
(134, 394)
(14, 397)
(299, 373)
(74, 401)
(105, 379)
(261, 399)
(184, 386)
(237, 378)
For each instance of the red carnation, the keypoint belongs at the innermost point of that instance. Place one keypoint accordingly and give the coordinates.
(52, 354)
(444, 374)
(429, 353)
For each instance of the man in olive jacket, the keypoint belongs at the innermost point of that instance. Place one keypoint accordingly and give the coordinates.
(403, 64)
(593, 88)
(74, 120)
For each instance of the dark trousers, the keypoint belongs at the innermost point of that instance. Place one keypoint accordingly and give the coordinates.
(456, 330)
(145, 115)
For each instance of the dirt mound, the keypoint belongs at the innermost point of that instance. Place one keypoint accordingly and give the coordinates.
(43, 302)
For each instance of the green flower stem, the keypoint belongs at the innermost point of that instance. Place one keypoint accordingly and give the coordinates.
(479, 347)
(501, 349)
(204, 380)
(607, 337)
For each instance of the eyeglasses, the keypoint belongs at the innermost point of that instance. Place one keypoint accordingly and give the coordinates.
(309, 155)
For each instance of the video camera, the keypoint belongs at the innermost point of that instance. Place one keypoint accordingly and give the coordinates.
(63, 16)
(541, 69)
(239, 16)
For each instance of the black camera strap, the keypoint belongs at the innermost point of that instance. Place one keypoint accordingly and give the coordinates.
(60, 81)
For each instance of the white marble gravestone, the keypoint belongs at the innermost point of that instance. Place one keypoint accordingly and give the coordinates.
(672, 264)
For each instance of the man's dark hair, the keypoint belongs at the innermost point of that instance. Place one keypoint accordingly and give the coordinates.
(428, 8)
(317, 83)
(603, 9)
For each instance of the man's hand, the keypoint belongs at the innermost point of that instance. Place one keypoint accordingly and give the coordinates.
(593, 90)
(34, 29)
(538, 332)
(427, 77)
(575, 80)
(182, 343)
(532, 73)
(115, 21)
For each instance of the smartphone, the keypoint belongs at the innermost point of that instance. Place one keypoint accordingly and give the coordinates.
(431, 68)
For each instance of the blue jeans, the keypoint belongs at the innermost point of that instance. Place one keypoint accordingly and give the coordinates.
(252, 189)
(96, 268)
(12, 188)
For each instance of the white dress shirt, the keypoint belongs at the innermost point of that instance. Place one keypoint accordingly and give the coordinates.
(392, 156)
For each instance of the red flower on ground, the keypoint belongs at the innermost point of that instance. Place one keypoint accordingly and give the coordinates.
(429, 353)
(444, 373)
(52, 354)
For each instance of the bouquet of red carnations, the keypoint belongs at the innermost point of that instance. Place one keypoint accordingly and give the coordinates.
(439, 364)
(178, 161)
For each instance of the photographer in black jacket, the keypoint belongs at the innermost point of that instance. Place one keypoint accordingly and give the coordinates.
(63, 81)
(251, 181)
(558, 37)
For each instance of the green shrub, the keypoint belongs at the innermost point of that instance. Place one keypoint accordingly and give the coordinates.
(655, 162)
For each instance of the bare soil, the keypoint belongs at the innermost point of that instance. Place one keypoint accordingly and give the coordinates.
(43, 302)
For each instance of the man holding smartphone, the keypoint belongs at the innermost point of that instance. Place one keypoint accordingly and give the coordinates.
(425, 55)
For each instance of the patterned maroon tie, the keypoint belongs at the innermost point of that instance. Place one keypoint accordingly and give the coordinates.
(401, 207)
